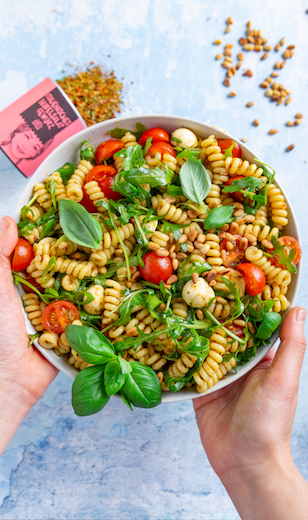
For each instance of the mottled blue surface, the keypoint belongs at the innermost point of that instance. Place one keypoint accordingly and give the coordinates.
(146, 464)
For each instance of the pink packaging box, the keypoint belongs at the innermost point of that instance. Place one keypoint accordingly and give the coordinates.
(35, 124)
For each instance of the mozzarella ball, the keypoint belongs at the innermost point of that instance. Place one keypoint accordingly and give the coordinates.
(96, 305)
(236, 278)
(197, 294)
(187, 137)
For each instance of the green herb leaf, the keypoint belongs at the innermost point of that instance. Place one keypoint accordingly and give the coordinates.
(118, 132)
(87, 152)
(269, 175)
(88, 392)
(228, 151)
(250, 183)
(218, 217)
(113, 377)
(269, 324)
(284, 258)
(174, 191)
(155, 177)
(92, 346)
(189, 153)
(142, 386)
(78, 225)
(66, 172)
(185, 274)
(195, 181)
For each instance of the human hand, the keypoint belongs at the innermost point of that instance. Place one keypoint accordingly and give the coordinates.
(24, 372)
(246, 427)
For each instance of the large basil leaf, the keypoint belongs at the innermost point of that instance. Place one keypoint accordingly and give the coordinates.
(114, 379)
(91, 345)
(88, 391)
(195, 181)
(137, 176)
(218, 217)
(142, 386)
(78, 225)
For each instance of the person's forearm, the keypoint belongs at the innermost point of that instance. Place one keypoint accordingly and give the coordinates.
(14, 406)
(273, 490)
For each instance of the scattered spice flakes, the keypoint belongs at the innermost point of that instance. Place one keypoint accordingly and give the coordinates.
(95, 94)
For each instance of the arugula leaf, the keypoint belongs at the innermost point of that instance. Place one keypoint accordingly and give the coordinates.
(176, 229)
(195, 181)
(270, 176)
(285, 259)
(118, 132)
(25, 226)
(87, 152)
(184, 274)
(174, 191)
(66, 172)
(133, 156)
(228, 151)
(19, 279)
(252, 183)
(25, 209)
(189, 153)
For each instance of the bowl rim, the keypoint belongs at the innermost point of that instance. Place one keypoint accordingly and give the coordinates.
(39, 175)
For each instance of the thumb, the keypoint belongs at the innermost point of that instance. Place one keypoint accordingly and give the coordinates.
(285, 370)
(8, 236)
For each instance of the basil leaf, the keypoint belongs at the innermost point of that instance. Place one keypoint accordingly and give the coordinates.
(189, 153)
(91, 345)
(78, 225)
(118, 132)
(285, 259)
(218, 217)
(126, 367)
(113, 377)
(87, 152)
(88, 392)
(142, 386)
(137, 176)
(66, 172)
(195, 181)
(269, 324)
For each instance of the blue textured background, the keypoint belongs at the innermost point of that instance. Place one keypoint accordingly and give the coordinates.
(146, 464)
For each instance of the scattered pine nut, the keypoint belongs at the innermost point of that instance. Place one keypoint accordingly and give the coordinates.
(282, 64)
(273, 131)
(277, 65)
(217, 42)
(228, 29)
(232, 94)
(299, 116)
(288, 100)
(282, 41)
(256, 122)
(249, 47)
(286, 54)
(297, 122)
(264, 56)
(230, 20)
(290, 147)
(240, 56)
(274, 74)
(268, 47)
(264, 84)
(248, 73)
(245, 139)
(250, 104)
(289, 123)
(229, 45)
(277, 48)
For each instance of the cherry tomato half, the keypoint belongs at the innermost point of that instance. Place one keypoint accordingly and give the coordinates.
(157, 134)
(254, 278)
(156, 268)
(161, 147)
(22, 255)
(289, 243)
(226, 143)
(107, 149)
(87, 203)
(236, 255)
(57, 315)
(104, 175)
(236, 329)
(33, 282)
(236, 195)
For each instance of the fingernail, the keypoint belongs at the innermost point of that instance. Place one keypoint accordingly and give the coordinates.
(3, 226)
(301, 315)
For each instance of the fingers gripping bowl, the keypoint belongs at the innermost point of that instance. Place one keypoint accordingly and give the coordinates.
(211, 247)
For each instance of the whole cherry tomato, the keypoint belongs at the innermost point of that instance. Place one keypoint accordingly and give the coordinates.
(156, 268)
(157, 134)
(107, 149)
(254, 278)
(289, 243)
(236, 255)
(58, 314)
(226, 143)
(161, 147)
(104, 176)
(22, 255)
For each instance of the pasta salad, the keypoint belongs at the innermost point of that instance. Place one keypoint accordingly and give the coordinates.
(157, 262)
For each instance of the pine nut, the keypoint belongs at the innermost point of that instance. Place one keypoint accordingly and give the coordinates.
(191, 213)
(297, 122)
(231, 237)
(132, 332)
(243, 243)
(277, 65)
(223, 272)
(230, 20)
(251, 327)
(153, 246)
(256, 122)
(195, 277)
(249, 47)
(190, 248)
(181, 256)
(199, 314)
(289, 123)
(162, 252)
(228, 29)
(264, 84)
(290, 147)
(182, 239)
(201, 238)
(267, 47)
(162, 307)
(238, 213)
(173, 255)
(227, 84)
(211, 275)
(274, 75)
(288, 100)
(299, 115)
(245, 139)
(172, 279)
(217, 42)
(229, 245)
(218, 56)
(233, 227)
(62, 245)
(265, 55)
(240, 323)
(250, 104)
(225, 227)
(175, 264)
(212, 283)
(192, 235)
(273, 131)
(205, 249)
(172, 248)
(170, 199)
(277, 48)
(228, 52)
(232, 94)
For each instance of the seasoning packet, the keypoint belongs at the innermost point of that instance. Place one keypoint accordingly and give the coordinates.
(35, 124)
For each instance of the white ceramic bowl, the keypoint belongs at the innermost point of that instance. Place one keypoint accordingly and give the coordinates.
(68, 152)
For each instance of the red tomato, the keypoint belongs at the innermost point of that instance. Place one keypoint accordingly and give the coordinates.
(22, 255)
(236, 329)
(226, 143)
(156, 268)
(161, 147)
(236, 255)
(289, 243)
(236, 195)
(87, 203)
(157, 134)
(107, 149)
(33, 282)
(254, 278)
(104, 175)
(57, 315)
